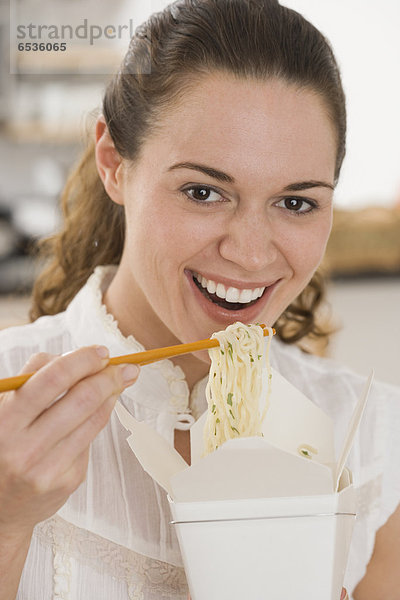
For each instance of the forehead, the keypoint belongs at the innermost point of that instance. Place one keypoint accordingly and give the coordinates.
(245, 125)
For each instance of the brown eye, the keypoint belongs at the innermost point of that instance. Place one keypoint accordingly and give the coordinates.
(203, 194)
(297, 205)
(294, 203)
(200, 193)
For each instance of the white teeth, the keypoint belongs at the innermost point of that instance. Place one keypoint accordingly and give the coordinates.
(256, 293)
(230, 294)
(211, 286)
(221, 291)
(245, 296)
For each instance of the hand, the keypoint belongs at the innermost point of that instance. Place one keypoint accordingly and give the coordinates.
(44, 445)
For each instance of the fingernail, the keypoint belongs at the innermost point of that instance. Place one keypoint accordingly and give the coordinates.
(102, 351)
(130, 373)
(343, 595)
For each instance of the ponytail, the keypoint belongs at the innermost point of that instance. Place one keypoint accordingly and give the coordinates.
(92, 235)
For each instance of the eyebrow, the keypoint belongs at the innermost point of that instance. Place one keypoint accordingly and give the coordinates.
(225, 178)
(214, 173)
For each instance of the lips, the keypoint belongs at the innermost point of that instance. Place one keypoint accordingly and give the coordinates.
(219, 310)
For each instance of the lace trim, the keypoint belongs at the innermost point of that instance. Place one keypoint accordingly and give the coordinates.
(144, 577)
(179, 399)
(98, 283)
(62, 566)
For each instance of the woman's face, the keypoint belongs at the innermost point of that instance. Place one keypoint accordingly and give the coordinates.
(228, 210)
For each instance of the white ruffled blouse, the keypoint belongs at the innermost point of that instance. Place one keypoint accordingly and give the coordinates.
(113, 538)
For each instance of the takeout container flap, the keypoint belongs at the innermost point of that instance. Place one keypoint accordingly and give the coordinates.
(292, 420)
(250, 468)
(271, 465)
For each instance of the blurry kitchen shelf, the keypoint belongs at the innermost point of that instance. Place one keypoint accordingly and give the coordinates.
(76, 60)
(364, 243)
(14, 310)
(36, 131)
(17, 274)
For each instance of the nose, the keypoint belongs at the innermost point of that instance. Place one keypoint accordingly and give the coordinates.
(249, 241)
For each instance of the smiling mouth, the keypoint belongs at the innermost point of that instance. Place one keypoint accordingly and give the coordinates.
(228, 298)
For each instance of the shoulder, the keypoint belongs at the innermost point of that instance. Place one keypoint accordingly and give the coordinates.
(325, 382)
(336, 389)
(17, 344)
(321, 378)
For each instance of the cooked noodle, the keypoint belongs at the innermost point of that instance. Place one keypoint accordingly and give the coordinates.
(234, 385)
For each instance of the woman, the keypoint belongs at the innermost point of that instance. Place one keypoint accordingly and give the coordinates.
(209, 191)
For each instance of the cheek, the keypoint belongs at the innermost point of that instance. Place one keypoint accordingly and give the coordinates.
(186, 232)
(305, 250)
(157, 231)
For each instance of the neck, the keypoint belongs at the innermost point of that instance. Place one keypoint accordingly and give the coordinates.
(193, 368)
(136, 323)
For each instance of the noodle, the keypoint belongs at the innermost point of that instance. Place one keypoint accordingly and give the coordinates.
(234, 385)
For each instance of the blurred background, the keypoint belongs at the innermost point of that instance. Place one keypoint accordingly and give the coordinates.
(49, 102)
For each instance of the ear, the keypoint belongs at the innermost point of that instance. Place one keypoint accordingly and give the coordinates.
(109, 162)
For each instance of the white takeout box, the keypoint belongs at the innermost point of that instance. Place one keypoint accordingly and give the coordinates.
(292, 548)
(256, 519)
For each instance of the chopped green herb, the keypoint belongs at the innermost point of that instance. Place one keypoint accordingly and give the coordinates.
(217, 421)
(234, 429)
(231, 413)
(213, 409)
(222, 352)
(259, 356)
(229, 399)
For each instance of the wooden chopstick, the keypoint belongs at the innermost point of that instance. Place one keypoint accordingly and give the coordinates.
(139, 358)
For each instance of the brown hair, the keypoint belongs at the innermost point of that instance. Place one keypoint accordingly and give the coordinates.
(246, 38)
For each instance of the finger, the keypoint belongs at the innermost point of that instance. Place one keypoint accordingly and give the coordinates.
(54, 379)
(9, 416)
(78, 405)
(36, 362)
(344, 595)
